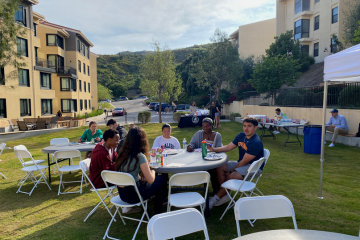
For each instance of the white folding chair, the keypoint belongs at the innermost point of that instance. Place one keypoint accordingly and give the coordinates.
(85, 167)
(188, 199)
(175, 224)
(2, 147)
(26, 163)
(71, 168)
(263, 207)
(58, 142)
(266, 156)
(242, 186)
(21, 154)
(123, 179)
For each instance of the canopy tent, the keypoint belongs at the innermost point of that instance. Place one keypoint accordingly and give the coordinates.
(342, 66)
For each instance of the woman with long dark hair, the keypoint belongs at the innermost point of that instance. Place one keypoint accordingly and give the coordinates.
(217, 113)
(133, 159)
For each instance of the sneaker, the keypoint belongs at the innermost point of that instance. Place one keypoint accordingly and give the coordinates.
(332, 145)
(222, 200)
(277, 132)
(127, 210)
(212, 202)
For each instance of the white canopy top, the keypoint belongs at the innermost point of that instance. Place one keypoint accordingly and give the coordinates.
(343, 66)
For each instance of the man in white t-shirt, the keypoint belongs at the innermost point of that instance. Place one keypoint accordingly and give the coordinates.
(166, 140)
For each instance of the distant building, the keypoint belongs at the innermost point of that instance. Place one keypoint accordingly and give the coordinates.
(254, 38)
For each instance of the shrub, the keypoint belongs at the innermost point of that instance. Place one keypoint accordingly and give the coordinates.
(144, 117)
(92, 114)
(177, 116)
(231, 99)
(131, 98)
(147, 102)
(222, 117)
(349, 97)
(234, 115)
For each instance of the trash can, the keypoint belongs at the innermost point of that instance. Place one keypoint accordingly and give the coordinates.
(312, 139)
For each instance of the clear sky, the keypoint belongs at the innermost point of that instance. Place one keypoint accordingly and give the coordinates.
(131, 25)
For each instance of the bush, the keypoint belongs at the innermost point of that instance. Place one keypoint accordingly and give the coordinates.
(177, 116)
(131, 98)
(234, 115)
(92, 114)
(144, 117)
(147, 102)
(349, 97)
(222, 117)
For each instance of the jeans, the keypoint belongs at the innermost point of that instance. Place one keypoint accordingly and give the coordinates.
(157, 188)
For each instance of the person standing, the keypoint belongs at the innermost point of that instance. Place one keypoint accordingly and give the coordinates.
(59, 114)
(213, 111)
(217, 113)
(337, 124)
(279, 115)
(193, 108)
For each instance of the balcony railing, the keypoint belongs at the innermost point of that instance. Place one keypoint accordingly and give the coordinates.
(66, 70)
(39, 62)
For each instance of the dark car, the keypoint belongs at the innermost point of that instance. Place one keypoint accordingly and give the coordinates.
(164, 107)
(152, 105)
(122, 99)
(141, 97)
(119, 112)
(182, 107)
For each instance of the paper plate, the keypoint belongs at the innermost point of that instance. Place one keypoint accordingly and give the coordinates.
(212, 157)
(171, 152)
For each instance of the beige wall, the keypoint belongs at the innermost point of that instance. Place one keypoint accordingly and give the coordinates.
(93, 76)
(313, 115)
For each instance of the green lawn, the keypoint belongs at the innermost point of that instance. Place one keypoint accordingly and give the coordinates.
(289, 172)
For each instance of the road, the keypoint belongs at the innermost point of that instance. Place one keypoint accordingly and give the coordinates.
(133, 107)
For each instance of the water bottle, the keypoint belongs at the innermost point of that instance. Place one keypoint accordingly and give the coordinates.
(203, 148)
(184, 144)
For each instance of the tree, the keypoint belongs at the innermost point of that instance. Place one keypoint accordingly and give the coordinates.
(274, 72)
(356, 39)
(286, 45)
(103, 92)
(350, 22)
(221, 65)
(159, 75)
(9, 30)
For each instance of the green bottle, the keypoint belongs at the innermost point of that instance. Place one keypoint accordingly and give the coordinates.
(203, 148)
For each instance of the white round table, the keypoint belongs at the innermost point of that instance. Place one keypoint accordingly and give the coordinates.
(300, 234)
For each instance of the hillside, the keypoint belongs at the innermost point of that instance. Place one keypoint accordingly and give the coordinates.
(312, 77)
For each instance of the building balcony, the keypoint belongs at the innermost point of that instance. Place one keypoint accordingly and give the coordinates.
(306, 40)
(66, 71)
(304, 14)
(44, 65)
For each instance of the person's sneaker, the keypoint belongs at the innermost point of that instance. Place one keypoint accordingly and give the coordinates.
(332, 145)
(212, 201)
(274, 131)
(127, 210)
(222, 200)
(277, 132)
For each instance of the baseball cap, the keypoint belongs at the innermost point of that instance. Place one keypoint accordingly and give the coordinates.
(334, 110)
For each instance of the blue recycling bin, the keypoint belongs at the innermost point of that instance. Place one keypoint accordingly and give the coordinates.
(312, 139)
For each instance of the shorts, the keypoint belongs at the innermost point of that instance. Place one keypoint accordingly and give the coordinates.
(217, 114)
(241, 170)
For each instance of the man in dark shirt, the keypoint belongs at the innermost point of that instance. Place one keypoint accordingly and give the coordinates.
(250, 149)
(121, 129)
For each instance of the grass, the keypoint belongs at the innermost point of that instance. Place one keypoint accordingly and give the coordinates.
(105, 105)
(93, 113)
(289, 172)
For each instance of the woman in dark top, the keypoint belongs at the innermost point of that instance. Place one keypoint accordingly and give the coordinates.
(213, 110)
(217, 113)
(59, 113)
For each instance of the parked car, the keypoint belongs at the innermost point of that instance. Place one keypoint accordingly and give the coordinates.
(152, 105)
(106, 100)
(122, 99)
(164, 106)
(182, 107)
(140, 97)
(119, 112)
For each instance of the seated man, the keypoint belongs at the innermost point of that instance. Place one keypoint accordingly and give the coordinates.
(250, 150)
(121, 129)
(166, 140)
(337, 124)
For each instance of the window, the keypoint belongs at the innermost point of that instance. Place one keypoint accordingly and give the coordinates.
(317, 23)
(301, 6)
(335, 15)
(79, 85)
(85, 104)
(316, 1)
(78, 45)
(88, 53)
(20, 15)
(68, 84)
(81, 104)
(88, 87)
(304, 48)
(57, 62)
(84, 68)
(35, 29)
(89, 104)
(316, 49)
(2, 76)
(84, 86)
(45, 80)
(54, 40)
(68, 105)
(88, 71)
(24, 77)
(302, 28)
(46, 106)
(2, 108)
(36, 53)
(22, 46)
(333, 46)
(83, 49)
(79, 65)
(25, 107)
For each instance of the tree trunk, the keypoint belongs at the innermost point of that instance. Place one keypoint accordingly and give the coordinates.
(217, 93)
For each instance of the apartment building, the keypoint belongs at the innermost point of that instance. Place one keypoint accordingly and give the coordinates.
(314, 22)
(254, 38)
(60, 72)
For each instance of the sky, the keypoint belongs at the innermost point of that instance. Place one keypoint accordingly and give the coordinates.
(132, 25)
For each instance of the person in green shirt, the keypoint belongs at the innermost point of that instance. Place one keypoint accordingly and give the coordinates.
(91, 133)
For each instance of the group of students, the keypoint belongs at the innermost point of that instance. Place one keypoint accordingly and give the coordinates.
(215, 111)
(131, 153)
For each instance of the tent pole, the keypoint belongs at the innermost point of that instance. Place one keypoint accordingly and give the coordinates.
(323, 138)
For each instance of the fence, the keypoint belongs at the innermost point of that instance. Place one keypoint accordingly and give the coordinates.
(345, 95)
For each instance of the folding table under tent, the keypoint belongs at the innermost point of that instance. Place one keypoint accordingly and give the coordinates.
(342, 66)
